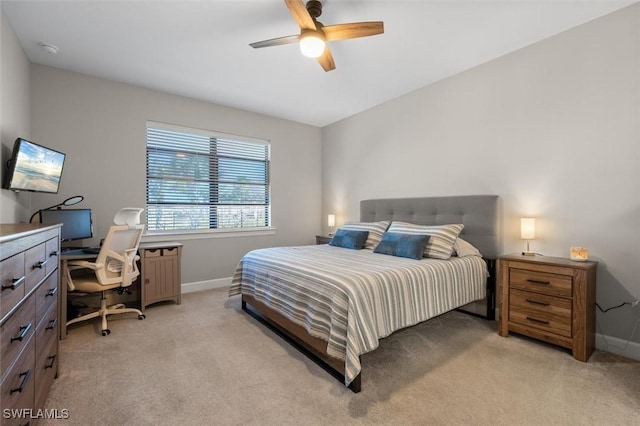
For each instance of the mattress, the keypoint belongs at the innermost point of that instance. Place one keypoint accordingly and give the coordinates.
(353, 298)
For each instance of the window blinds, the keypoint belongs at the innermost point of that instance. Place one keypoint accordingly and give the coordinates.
(197, 180)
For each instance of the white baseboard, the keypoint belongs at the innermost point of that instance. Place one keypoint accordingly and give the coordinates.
(206, 285)
(618, 346)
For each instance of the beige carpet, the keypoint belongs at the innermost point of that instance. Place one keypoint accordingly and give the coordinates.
(206, 362)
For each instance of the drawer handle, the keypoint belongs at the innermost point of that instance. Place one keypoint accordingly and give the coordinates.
(541, 282)
(25, 378)
(53, 253)
(51, 292)
(40, 264)
(23, 332)
(53, 361)
(538, 320)
(15, 283)
(536, 302)
(52, 324)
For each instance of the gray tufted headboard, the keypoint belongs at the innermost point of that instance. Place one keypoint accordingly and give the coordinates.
(479, 214)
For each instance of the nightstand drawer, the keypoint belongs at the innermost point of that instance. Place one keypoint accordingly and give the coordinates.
(542, 282)
(545, 312)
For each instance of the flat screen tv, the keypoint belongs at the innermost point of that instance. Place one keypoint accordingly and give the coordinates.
(33, 167)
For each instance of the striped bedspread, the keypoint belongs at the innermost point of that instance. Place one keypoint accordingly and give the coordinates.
(353, 298)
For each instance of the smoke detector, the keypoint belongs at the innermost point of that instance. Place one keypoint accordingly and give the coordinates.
(49, 48)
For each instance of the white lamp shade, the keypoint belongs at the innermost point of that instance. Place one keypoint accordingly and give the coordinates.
(311, 44)
(331, 220)
(528, 228)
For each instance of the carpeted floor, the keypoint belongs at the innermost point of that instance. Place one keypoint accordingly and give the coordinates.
(206, 362)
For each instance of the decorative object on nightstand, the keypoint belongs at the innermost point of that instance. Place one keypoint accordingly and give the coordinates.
(528, 232)
(323, 239)
(551, 299)
(331, 222)
(579, 254)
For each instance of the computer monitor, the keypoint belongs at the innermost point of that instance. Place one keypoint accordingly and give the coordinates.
(76, 223)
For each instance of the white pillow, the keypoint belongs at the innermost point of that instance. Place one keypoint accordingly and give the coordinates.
(464, 248)
(376, 229)
(443, 237)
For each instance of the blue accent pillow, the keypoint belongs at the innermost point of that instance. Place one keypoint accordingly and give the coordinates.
(402, 245)
(349, 239)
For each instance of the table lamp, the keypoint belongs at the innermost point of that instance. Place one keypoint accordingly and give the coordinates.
(528, 232)
(331, 222)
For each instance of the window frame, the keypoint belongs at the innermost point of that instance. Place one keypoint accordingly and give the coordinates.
(189, 234)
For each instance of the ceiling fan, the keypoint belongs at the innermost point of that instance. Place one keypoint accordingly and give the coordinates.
(313, 35)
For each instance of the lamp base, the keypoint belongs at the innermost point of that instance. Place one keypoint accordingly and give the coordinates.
(528, 253)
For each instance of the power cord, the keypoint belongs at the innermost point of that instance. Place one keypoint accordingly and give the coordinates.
(607, 344)
(617, 306)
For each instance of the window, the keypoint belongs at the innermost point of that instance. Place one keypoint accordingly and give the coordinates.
(200, 180)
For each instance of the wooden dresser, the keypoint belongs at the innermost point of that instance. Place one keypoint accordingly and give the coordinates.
(29, 263)
(551, 299)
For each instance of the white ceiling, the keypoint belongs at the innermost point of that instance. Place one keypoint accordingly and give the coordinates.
(200, 49)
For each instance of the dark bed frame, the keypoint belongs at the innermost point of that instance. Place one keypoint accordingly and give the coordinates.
(480, 215)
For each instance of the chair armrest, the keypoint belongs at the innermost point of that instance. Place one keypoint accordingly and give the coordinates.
(83, 264)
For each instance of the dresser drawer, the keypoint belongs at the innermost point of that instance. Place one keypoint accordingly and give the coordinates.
(46, 330)
(46, 365)
(18, 387)
(46, 295)
(13, 282)
(542, 282)
(547, 313)
(16, 332)
(35, 266)
(52, 253)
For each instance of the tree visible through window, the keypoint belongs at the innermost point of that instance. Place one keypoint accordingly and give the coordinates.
(199, 180)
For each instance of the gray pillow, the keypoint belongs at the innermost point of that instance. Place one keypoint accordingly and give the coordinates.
(350, 239)
(402, 245)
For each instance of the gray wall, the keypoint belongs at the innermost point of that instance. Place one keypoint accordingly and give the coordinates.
(15, 116)
(553, 129)
(101, 126)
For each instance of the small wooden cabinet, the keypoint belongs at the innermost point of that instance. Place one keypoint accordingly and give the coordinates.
(160, 265)
(29, 265)
(323, 239)
(551, 299)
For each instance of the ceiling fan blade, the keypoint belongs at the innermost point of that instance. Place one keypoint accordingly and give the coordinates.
(275, 41)
(326, 60)
(352, 30)
(301, 14)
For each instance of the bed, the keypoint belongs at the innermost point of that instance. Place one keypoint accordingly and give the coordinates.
(335, 304)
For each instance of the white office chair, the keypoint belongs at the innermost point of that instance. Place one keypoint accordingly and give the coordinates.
(115, 267)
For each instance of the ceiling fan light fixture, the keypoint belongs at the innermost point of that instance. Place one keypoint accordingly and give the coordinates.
(312, 44)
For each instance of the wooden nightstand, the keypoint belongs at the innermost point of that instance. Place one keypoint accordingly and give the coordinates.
(323, 239)
(551, 299)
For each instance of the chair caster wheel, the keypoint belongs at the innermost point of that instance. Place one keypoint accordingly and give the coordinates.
(141, 316)
(106, 332)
